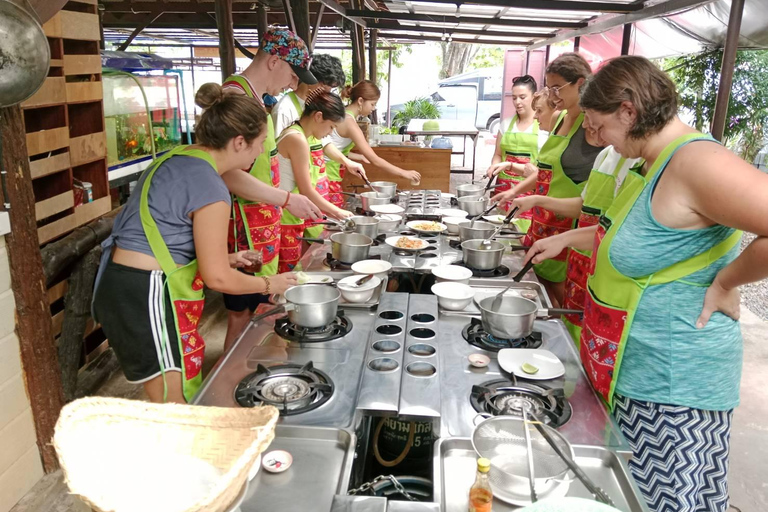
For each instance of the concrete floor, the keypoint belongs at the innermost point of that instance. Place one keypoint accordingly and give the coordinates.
(749, 435)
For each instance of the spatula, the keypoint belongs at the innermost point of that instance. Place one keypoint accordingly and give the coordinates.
(496, 304)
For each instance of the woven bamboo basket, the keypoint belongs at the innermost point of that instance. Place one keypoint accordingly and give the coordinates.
(101, 440)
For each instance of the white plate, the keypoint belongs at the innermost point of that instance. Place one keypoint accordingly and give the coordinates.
(392, 241)
(512, 359)
(559, 490)
(314, 279)
(451, 212)
(494, 219)
(387, 208)
(412, 225)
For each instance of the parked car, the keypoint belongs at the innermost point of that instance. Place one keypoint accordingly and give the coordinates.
(470, 96)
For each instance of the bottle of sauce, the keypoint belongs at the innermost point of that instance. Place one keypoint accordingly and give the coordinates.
(480, 494)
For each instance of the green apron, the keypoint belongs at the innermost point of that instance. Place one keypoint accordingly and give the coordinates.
(553, 182)
(256, 226)
(316, 168)
(612, 298)
(519, 148)
(184, 285)
(601, 188)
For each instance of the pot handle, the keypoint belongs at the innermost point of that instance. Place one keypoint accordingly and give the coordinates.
(519, 276)
(318, 240)
(483, 415)
(558, 312)
(261, 316)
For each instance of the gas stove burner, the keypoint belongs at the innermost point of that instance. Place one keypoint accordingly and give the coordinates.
(504, 397)
(409, 233)
(455, 244)
(477, 336)
(334, 264)
(500, 271)
(292, 388)
(340, 327)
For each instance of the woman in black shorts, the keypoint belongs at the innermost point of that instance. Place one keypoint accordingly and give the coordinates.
(169, 240)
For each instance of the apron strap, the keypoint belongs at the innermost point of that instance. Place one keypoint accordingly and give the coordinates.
(295, 100)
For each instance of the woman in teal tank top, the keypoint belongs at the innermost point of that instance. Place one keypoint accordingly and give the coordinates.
(661, 342)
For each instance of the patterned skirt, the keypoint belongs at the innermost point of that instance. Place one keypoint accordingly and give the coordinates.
(680, 454)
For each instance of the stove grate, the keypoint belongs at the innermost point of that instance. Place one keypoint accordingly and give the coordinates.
(291, 388)
(477, 336)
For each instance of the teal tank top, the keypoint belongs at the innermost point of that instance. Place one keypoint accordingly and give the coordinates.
(667, 359)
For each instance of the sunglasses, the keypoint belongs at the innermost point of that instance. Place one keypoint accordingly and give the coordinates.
(525, 79)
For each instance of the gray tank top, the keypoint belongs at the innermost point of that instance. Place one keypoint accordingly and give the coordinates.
(578, 159)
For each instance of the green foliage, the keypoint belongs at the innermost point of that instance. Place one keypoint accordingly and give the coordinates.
(382, 63)
(419, 108)
(698, 77)
(488, 57)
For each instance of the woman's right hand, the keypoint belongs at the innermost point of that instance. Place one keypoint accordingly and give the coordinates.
(546, 248)
(303, 208)
(526, 203)
(342, 214)
(412, 176)
(495, 169)
(281, 282)
(503, 197)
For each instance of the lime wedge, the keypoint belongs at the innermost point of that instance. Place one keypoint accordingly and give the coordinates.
(529, 368)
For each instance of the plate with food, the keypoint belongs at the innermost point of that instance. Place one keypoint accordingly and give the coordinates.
(531, 363)
(426, 226)
(407, 243)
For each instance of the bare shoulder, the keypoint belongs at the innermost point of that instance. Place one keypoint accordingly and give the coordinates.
(708, 159)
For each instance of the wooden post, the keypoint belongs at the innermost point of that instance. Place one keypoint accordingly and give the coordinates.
(226, 37)
(300, 10)
(372, 64)
(316, 28)
(389, 91)
(726, 69)
(33, 314)
(546, 56)
(262, 23)
(355, 55)
(576, 43)
(626, 39)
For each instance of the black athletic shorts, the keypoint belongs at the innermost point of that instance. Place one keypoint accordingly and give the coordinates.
(128, 305)
(241, 302)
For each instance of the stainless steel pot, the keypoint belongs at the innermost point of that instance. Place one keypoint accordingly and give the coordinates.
(469, 189)
(486, 258)
(308, 305)
(368, 226)
(473, 205)
(514, 317)
(372, 198)
(385, 188)
(480, 230)
(26, 55)
(346, 247)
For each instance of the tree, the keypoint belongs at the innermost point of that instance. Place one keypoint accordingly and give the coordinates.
(488, 57)
(698, 76)
(382, 63)
(455, 58)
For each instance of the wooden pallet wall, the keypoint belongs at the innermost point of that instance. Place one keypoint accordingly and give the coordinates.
(64, 124)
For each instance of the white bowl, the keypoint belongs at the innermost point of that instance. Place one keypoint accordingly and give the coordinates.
(387, 208)
(479, 360)
(378, 268)
(453, 296)
(357, 294)
(389, 221)
(451, 212)
(453, 224)
(451, 274)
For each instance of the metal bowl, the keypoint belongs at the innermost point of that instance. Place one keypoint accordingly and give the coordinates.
(385, 188)
(368, 226)
(469, 189)
(314, 305)
(26, 54)
(482, 259)
(473, 205)
(480, 230)
(372, 198)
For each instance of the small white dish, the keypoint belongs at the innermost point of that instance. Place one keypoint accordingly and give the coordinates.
(305, 278)
(389, 221)
(277, 461)
(392, 242)
(453, 296)
(479, 360)
(453, 224)
(512, 359)
(418, 226)
(452, 273)
(451, 212)
(379, 268)
(357, 294)
(386, 208)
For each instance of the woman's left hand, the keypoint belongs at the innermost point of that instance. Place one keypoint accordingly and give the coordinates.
(238, 260)
(719, 299)
(529, 169)
(357, 169)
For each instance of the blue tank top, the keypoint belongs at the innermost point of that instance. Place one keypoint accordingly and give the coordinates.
(667, 359)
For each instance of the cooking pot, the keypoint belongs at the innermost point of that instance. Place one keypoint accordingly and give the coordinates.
(473, 205)
(469, 189)
(346, 247)
(480, 230)
(515, 316)
(486, 258)
(385, 188)
(26, 55)
(368, 226)
(307, 305)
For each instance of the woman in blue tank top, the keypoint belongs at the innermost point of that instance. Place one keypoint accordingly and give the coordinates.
(661, 342)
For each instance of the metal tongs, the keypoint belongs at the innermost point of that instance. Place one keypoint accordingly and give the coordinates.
(345, 225)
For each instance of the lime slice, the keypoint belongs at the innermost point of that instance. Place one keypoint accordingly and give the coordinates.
(529, 368)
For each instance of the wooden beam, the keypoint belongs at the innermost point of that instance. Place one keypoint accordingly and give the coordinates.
(342, 11)
(603, 24)
(726, 69)
(226, 37)
(33, 315)
(372, 42)
(453, 30)
(478, 20)
(300, 10)
(316, 29)
(289, 15)
(46, 9)
(149, 20)
(549, 5)
(493, 42)
(262, 22)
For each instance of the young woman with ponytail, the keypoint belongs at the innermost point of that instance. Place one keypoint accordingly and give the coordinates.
(347, 135)
(169, 240)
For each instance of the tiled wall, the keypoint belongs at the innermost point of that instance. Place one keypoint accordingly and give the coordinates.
(20, 465)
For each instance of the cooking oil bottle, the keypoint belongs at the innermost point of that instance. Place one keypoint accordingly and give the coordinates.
(480, 494)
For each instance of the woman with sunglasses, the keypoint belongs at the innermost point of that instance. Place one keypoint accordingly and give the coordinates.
(564, 165)
(517, 143)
